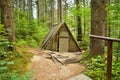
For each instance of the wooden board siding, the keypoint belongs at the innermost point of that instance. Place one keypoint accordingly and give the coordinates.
(54, 43)
(72, 46)
(63, 44)
(63, 41)
(60, 39)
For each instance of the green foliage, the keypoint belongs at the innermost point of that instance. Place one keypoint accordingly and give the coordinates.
(114, 23)
(114, 18)
(85, 43)
(9, 61)
(28, 33)
(2, 32)
(85, 14)
(14, 75)
(11, 64)
(97, 69)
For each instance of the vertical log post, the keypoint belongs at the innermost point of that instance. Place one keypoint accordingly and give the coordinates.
(109, 53)
(109, 60)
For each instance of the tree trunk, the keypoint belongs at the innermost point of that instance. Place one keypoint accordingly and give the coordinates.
(52, 13)
(7, 18)
(46, 11)
(84, 17)
(0, 15)
(78, 19)
(65, 10)
(59, 3)
(98, 24)
(24, 4)
(38, 11)
(109, 29)
(30, 11)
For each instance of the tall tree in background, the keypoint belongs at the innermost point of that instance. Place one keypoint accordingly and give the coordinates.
(46, 11)
(65, 9)
(109, 20)
(7, 18)
(52, 13)
(0, 15)
(78, 19)
(23, 5)
(30, 11)
(59, 3)
(39, 11)
(98, 24)
(84, 17)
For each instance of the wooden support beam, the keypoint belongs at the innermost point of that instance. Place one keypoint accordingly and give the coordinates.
(64, 36)
(109, 60)
(105, 38)
(109, 53)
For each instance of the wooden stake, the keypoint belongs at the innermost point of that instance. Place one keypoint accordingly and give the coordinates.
(109, 60)
(109, 53)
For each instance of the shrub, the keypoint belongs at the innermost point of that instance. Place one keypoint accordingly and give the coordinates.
(97, 69)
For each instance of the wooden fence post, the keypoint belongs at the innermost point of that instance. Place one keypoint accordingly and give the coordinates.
(109, 53)
(109, 60)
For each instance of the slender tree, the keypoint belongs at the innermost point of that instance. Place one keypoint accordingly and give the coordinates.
(65, 9)
(7, 18)
(84, 17)
(38, 11)
(20, 4)
(30, 11)
(23, 5)
(52, 12)
(98, 24)
(46, 11)
(78, 19)
(0, 15)
(59, 3)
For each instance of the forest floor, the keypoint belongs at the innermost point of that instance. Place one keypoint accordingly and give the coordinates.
(46, 69)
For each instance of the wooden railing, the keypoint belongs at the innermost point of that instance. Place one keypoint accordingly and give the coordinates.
(109, 52)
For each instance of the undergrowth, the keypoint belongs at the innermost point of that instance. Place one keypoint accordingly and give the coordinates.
(13, 65)
(97, 68)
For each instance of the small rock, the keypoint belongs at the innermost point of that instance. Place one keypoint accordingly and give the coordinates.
(80, 77)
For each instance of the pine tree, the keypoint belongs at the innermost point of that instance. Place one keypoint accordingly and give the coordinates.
(7, 18)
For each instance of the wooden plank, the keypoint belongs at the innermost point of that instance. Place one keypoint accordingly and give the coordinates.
(63, 44)
(64, 33)
(105, 38)
(54, 43)
(63, 36)
(109, 60)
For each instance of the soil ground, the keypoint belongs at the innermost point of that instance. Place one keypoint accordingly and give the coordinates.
(46, 69)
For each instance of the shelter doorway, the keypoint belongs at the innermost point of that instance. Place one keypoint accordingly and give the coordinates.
(63, 41)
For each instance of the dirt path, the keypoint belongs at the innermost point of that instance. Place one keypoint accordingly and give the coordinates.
(46, 69)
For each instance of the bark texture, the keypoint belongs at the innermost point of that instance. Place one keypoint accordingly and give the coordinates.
(59, 3)
(98, 25)
(52, 13)
(7, 18)
(78, 19)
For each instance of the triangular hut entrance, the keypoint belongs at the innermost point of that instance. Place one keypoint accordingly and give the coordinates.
(60, 39)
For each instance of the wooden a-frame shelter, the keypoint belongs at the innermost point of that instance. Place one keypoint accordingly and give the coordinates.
(60, 39)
